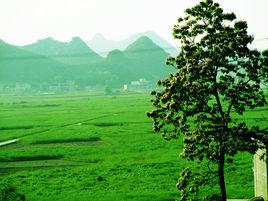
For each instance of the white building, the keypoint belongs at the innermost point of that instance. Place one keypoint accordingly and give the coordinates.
(260, 175)
(125, 87)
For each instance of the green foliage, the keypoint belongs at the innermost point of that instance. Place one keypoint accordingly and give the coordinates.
(217, 76)
(190, 183)
(264, 62)
(10, 193)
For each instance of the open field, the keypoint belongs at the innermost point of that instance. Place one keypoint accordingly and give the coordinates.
(81, 147)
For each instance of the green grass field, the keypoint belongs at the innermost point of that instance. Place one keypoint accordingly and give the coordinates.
(82, 147)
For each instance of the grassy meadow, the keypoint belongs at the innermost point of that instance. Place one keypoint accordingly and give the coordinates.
(83, 147)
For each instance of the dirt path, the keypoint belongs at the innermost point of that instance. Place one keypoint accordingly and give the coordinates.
(8, 142)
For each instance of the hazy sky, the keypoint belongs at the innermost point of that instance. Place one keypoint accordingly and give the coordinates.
(25, 21)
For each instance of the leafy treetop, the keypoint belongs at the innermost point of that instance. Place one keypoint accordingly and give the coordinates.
(217, 75)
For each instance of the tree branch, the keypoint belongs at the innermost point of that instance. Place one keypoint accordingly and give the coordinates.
(229, 109)
(217, 94)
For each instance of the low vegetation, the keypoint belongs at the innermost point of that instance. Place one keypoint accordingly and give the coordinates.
(99, 148)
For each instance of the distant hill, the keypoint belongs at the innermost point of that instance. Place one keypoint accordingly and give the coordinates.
(142, 59)
(74, 52)
(19, 65)
(103, 46)
(148, 58)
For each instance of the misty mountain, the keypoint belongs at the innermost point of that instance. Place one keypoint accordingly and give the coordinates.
(19, 65)
(148, 58)
(103, 46)
(74, 52)
(142, 59)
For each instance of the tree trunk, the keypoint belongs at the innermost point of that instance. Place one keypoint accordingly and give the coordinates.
(221, 177)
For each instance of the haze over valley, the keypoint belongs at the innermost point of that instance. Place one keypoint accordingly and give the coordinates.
(49, 65)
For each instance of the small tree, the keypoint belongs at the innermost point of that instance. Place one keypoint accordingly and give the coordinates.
(108, 90)
(217, 75)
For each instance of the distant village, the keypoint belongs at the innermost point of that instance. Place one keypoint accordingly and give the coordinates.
(71, 86)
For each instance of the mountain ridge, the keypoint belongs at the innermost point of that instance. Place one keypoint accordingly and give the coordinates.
(19, 65)
(103, 46)
(74, 52)
(137, 61)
